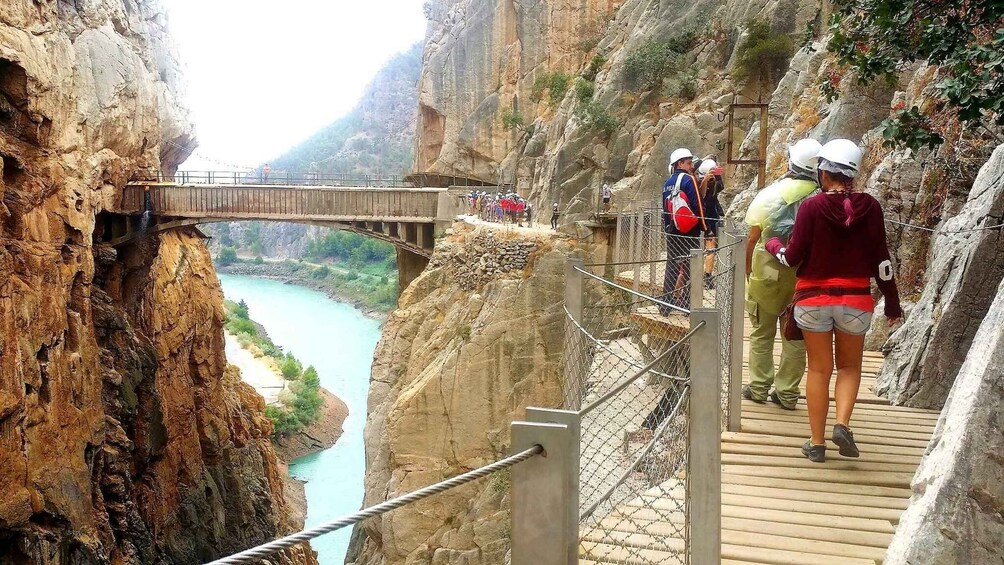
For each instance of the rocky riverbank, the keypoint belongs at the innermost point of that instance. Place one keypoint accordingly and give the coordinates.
(294, 273)
(319, 435)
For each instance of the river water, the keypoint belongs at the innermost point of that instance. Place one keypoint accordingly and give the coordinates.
(338, 341)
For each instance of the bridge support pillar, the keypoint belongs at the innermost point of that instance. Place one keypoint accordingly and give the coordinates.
(409, 266)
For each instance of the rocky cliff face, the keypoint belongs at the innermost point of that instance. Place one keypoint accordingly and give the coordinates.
(122, 438)
(476, 338)
(560, 155)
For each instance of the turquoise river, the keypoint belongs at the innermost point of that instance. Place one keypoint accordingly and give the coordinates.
(338, 341)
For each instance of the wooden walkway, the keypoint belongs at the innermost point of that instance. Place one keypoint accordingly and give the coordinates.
(777, 506)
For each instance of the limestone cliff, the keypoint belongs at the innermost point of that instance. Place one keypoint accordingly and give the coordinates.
(122, 438)
(483, 57)
(476, 338)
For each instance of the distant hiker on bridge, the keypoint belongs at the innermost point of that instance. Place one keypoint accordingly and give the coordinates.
(837, 246)
(529, 214)
(554, 216)
(607, 194)
(770, 284)
(265, 171)
(683, 223)
(709, 175)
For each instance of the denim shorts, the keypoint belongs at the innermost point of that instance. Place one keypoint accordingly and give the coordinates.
(825, 318)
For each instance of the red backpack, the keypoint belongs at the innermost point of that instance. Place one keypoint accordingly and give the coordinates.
(678, 207)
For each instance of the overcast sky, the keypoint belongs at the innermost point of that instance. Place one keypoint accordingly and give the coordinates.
(262, 75)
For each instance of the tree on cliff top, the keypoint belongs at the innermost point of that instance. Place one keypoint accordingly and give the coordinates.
(878, 38)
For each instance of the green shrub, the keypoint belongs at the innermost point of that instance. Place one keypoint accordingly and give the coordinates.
(557, 87)
(762, 55)
(653, 61)
(258, 260)
(594, 67)
(227, 256)
(593, 115)
(683, 86)
(464, 332)
(284, 422)
(511, 119)
(321, 272)
(584, 90)
(291, 368)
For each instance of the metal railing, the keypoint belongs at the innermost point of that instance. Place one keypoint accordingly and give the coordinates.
(652, 369)
(279, 178)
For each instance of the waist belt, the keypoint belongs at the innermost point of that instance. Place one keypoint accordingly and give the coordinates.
(815, 291)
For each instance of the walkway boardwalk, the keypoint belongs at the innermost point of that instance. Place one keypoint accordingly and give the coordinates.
(780, 508)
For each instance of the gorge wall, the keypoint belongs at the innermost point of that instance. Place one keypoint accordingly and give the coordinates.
(476, 338)
(123, 439)
(483, 58)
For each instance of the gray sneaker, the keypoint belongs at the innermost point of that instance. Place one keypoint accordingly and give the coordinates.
(844, 438)
(815, 453)
(748, 395)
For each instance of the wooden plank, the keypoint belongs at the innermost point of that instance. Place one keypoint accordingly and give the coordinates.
(835, 488)
(858, 421)
(784, 491)
(838, 535)
(824, 475)
(770, 515)
(794, 452)
(868, 412)
(902, 439)
(604, 552)
(823, 508)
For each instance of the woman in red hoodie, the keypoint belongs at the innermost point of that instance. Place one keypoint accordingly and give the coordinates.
(837, 246)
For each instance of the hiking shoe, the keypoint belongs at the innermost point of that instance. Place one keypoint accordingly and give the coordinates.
(748, 395)
(844, 438)
(709, 281)
(777, 400)
(815, 453)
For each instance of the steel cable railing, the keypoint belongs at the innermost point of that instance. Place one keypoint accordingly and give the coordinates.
(255, 554)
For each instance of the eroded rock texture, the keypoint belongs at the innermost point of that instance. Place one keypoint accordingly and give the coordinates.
(955, 515)
(966, 265)
(122, 439)
(453, 369)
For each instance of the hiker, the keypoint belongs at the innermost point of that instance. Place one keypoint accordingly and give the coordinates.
(607, 195)
(683, 223)
(554, 216)
(837, 246)
(770, 285)
(529, 214)
(520, 209)
(265, 171)
(709, 176)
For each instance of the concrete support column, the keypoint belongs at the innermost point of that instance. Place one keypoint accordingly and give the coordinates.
(409, 266)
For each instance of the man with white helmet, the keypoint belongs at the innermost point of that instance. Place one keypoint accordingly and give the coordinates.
(683, 222)
(771, 285)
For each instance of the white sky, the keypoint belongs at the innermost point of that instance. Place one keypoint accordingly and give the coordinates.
(262, 75)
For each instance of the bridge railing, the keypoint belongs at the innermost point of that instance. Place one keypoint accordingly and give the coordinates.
(344, 204)
(275, 178)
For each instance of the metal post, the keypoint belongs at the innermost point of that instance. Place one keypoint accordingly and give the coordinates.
(639, 232)
(573, 287)
(762, 175)
(574, 423)
(696, 278)
(542, 495)
(738, 329)
(619, 237)
(632, 257)
(704, 475)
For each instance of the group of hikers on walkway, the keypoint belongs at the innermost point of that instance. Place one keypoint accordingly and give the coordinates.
(504, 208)
(814, 245)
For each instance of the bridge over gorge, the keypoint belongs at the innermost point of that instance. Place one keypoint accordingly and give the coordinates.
(408, 212)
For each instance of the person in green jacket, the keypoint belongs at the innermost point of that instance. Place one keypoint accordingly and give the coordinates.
(771, 285)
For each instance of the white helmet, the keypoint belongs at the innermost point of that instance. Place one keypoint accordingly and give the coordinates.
(678, 155)
(707, 165)
(803, 155)
(840, 156)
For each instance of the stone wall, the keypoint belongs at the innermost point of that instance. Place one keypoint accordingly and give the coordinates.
(122, 440)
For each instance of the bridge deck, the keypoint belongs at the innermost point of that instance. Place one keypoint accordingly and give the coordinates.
(777, 506)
